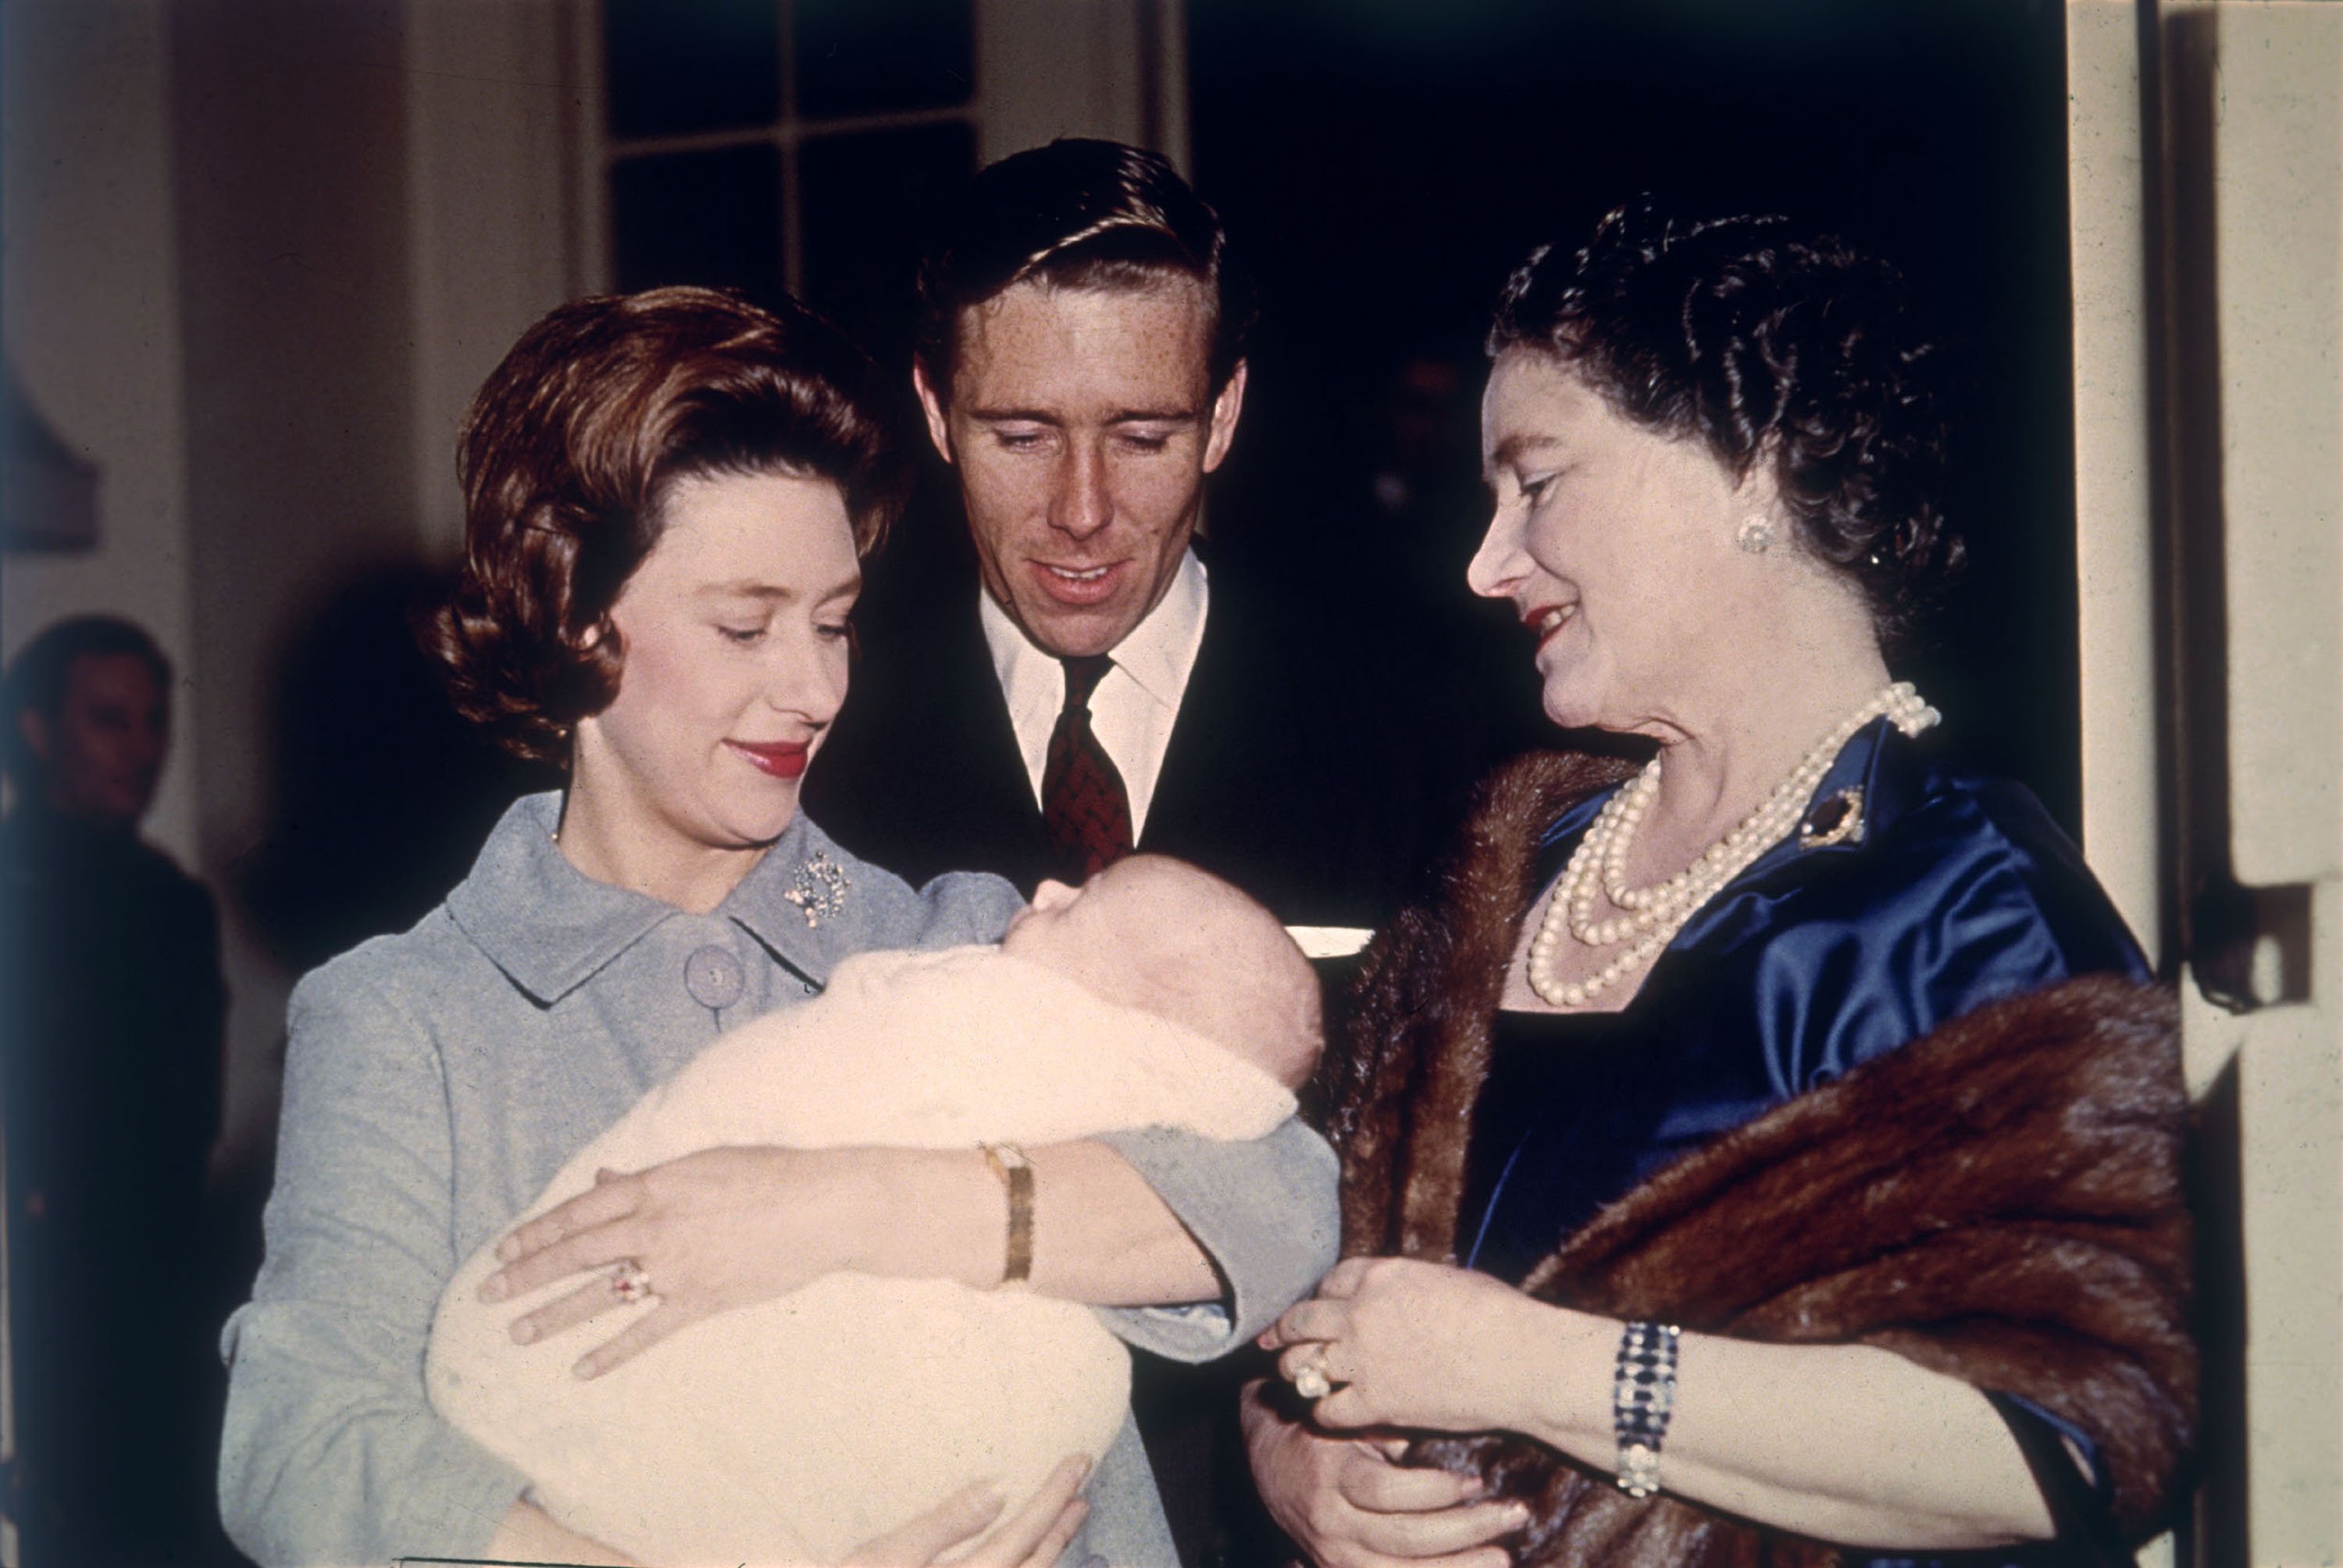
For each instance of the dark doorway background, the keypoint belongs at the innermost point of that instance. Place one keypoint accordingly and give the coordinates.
(1387, 163)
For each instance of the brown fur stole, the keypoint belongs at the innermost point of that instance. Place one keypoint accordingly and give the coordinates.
(1999, 1201)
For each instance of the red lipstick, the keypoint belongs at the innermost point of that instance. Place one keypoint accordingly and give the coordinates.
(779, 759)
(1536, 619)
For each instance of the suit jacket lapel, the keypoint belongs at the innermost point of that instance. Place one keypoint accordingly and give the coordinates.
(1214, 726)
(998, 820)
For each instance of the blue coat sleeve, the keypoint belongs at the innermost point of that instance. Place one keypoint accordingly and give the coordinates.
(1263, 1211)
(331, 1453)
(963, 907)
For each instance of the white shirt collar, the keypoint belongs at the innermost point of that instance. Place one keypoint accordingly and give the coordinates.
(1134, 707)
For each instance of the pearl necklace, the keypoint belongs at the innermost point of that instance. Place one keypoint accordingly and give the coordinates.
(1652, 916)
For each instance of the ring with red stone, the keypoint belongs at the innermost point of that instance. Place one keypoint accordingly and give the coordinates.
(629, 1281)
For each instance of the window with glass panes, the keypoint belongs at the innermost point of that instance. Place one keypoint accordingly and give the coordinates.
(798, 144)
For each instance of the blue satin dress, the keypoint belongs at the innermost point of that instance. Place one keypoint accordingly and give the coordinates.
(1955, 891)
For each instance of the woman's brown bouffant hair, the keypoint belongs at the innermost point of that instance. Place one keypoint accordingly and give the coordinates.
(571, 449)
(1768, 343)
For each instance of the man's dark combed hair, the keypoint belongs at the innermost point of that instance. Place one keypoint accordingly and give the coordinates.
(570, 453)
(37, 676)
(1079, 214)
(1772, 343)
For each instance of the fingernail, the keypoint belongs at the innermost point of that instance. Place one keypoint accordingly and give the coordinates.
(1517, 1517)
(494, 1289)
(585, 1371)
(1474, 1486)
(524, 1332)
(508, 1249)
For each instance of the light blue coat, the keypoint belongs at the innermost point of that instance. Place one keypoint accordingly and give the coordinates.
(436, 1081)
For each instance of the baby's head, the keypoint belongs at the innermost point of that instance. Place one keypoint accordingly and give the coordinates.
(1161, 936)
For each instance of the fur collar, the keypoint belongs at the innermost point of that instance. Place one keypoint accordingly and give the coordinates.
(1999, 1201)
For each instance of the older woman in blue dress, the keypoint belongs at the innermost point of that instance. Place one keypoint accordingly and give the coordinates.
(668, 497)
(1777, 1144)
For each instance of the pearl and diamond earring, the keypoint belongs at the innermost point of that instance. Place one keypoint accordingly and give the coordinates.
(1757, 535)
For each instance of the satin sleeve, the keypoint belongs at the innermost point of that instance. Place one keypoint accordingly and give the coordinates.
(1973, 899)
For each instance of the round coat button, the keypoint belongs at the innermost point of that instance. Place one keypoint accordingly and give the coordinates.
(714, 978)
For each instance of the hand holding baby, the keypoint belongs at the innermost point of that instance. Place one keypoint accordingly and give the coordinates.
(1035, 1536)
(715, 1229)
(809, 1192)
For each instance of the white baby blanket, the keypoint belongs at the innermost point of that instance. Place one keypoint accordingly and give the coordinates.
(792, 1431)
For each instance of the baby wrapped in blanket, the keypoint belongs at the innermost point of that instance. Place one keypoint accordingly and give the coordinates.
(793, 1430)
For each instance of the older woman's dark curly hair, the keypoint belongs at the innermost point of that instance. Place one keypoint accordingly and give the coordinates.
(571, 449)
(1770, 344)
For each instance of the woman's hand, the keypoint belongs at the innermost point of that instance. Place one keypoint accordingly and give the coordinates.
(1032, 1538)
(1347, 1504)
(1417, 1344)
(719, 1229)
(1761, 1431)
(725, 1228)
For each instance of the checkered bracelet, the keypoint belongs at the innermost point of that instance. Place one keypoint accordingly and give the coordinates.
(1642, 1395)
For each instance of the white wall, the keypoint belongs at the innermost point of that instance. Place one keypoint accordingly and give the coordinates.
(497, 217)
(222, 286)
(1051, 69)
(2244, 159)
(89, 289)
(287, 122)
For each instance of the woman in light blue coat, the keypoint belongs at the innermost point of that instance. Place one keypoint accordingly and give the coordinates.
(668, 498)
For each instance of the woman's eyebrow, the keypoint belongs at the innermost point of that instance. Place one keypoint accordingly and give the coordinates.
(757, 588)
(1510, 451)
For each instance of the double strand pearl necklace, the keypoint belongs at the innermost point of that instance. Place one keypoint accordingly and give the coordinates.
(1653, 915)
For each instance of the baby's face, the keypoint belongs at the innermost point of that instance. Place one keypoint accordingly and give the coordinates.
(1164, 937)
(1106, 935)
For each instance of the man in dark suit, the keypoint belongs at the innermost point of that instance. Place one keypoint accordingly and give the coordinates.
(1081, 365)
(1098, 685)
(111, 1013)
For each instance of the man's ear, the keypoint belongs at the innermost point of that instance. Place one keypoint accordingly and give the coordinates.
(34, 726)
(1225, 409)
(932, 405)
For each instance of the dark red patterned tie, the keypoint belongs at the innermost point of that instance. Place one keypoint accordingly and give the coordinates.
(1083, 807)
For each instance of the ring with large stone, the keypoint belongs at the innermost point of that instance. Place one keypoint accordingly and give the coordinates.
(629, 1281)
(1310, 1379)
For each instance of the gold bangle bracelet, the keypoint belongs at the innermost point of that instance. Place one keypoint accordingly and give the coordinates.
(1016, 1173)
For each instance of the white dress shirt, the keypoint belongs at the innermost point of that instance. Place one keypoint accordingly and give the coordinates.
(1137, 702)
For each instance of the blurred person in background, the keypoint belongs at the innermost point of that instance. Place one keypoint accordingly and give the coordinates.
(114, 1014)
